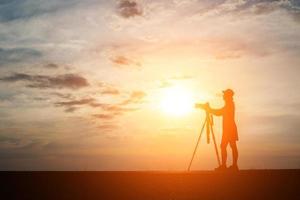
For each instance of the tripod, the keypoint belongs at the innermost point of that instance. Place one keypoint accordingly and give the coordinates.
(208, 123)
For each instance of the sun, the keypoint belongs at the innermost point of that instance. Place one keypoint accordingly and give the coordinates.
(177, 101)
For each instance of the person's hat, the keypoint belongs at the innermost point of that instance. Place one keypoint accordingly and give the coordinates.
(228, 92)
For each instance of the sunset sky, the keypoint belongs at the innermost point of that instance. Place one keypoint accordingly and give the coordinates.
(90, 84)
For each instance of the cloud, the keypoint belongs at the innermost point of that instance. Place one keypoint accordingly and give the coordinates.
(233, 48)
(117, 109)
(10, 140)
(257, 6)
(51, 66)
(16, 55)
(71, 109)
(26, 9)
(62, 95)
(76, 102)
(293, 8)
(110, 91)
(108, 127)
(135, 97)
(261, 7)
(112, 109)
(16, 77)
(70, 81)
(123, 61)
(104, 116)
(129, 8)
(243, 8)
(107, 89)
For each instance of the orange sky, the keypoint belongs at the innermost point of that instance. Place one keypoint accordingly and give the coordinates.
(88, 85)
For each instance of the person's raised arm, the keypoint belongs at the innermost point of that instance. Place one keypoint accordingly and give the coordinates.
(206, 107)
(217, 112)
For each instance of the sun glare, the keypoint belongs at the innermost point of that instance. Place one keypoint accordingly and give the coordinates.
(177, 101)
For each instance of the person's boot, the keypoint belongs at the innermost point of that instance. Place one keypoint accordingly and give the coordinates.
(221, 168)
(233, 168)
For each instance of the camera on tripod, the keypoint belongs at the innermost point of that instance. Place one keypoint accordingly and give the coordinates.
(204, 106)
(208, 124)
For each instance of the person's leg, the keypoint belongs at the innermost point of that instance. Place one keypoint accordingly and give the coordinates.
(224, 152)
(235, 153)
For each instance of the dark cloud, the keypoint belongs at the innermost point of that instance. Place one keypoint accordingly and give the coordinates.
(11, 10)
(72, 105)
(129, 8)
(16, 55)
(294, 9)
(70, 81)
(251, 7)
(105, 116)
(17, 77)
(259, 7)
(110, 110)
(87, 101)
(40, 98)
(71, 109)
(51, 66)
(62, 95)
(124, 61)
(244, 8)
(10, 140)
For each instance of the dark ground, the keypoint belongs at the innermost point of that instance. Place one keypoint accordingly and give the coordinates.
(248, 184)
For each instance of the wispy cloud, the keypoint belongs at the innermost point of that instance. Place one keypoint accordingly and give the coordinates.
(108, 127)
(135, 97)
(262, 7)
(110, 110)
(71, 109)
(16, 55)
(26, 9)
(48, 47)
(51, 66)
(62, 95)
(70, 81)
(122, 61)
(76, 102)
(107, 89)
(105, 116)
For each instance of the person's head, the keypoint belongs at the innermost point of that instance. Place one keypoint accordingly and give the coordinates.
(228, 95)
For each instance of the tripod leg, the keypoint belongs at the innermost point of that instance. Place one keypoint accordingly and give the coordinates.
(195, 150)
(215, 144)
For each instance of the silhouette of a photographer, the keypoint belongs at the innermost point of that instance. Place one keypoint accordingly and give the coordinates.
(230, 134)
